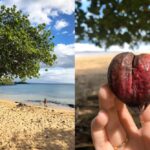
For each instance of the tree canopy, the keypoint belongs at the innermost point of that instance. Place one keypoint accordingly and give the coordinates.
(23, 47)
(111, 22)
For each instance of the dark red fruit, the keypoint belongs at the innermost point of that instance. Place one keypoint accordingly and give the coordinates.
(129, 78)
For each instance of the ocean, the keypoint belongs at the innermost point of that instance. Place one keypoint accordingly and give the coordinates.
(36, 92)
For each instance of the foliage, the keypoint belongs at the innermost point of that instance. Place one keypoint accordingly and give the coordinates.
(6, 81)
(111, 22)
(23, 47)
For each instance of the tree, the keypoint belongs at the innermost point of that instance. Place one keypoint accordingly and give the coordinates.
(6, 81)
(23, 47)
(111, 22)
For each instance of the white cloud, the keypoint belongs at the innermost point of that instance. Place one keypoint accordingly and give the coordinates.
(61, 24)
(65, 49)
(65, 55)
(40, 11)
(142, 48)
(63, 69)
(64, 32)
(38, 15)
(73, 32)
(54, 13)
(87, 48)
(55, 75)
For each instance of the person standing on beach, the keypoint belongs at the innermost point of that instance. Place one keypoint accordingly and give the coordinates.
(45, 102)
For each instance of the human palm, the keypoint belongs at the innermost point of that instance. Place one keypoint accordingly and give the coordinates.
(114, 129)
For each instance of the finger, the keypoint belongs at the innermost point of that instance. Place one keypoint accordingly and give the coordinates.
(145, 121)
(145, 115)
(126, 118)
(115, 131)
(98, 133)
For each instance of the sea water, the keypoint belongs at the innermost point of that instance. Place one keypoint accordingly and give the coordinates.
(59, 93)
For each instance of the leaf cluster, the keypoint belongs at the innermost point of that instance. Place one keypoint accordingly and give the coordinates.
(111, 22)
(23, 46)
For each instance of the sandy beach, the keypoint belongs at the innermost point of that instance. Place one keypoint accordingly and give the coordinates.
(91, 72)
(35, 128)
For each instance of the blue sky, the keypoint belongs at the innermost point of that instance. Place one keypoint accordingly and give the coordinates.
(59, 18)
(66, 34)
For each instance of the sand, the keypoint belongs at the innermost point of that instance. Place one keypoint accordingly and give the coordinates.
(91, 73)
(35, 128)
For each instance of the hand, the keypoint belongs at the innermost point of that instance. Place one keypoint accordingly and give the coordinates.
(114, 126)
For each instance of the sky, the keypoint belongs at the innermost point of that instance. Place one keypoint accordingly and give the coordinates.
(89, 49)
(59, 18)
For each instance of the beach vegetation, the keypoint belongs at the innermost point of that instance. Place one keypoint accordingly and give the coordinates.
(113, 22)
(6, 81)
(23, 46)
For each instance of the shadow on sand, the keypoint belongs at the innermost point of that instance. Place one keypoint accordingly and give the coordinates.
(53, 139)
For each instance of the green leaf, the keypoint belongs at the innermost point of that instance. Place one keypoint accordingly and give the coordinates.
(22, 46)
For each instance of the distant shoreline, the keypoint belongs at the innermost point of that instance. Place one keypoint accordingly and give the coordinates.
(16, 83)
(53, 83)
(40, 103)
(50, 102)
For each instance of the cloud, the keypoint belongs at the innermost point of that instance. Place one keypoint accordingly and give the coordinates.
(40, 11)
(55, 75)
(142, 48)
(64, 32)
(65, 55)
(73, 32)
(88, 48)
(61, 24)
(63, 69)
